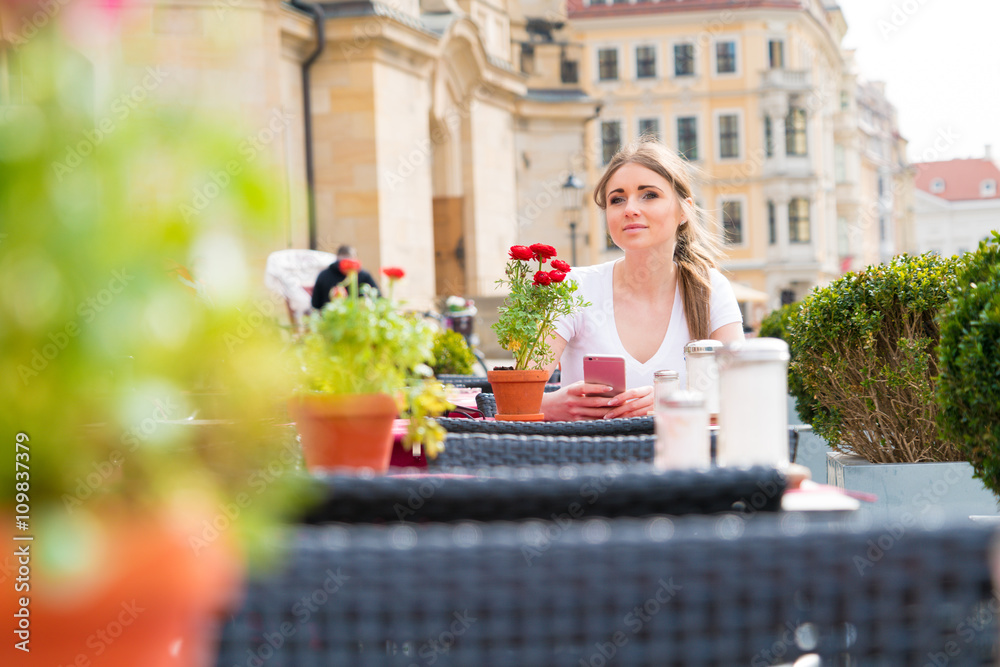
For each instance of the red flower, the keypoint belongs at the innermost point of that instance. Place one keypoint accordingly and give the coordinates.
(557, 276)
(560, 265)
(542, 278)
(393, 272)
(542, 252)
(349, 266)
(520, 252)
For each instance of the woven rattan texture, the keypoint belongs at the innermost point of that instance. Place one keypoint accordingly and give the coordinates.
(689, 592)
(630, 426)
(544, 492)
(490, 449)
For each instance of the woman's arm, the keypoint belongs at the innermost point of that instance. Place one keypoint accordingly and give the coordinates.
(571, 403)
(729, 333)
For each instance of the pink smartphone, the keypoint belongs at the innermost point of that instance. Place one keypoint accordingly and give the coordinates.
(605, 369)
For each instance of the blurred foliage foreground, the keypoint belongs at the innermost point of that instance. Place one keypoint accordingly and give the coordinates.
(127, 244)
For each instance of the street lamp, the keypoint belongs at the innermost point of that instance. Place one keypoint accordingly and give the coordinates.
(572, 193)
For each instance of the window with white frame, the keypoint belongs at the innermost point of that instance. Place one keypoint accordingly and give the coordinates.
(683, 59)
(776, 54)
(645, 62)
(729, 136)
(795, 132)
(732, 221)
(611, 139)
(607, 64)
(725, 57)
(799, 228)
(649, 127)
(840, 163)
(687, 137)
(937, 185)
(768, 137)
(988, 188)
(772, 223)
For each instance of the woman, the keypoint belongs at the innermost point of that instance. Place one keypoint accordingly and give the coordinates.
(646, 306)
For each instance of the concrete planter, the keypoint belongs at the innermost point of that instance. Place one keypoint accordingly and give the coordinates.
(929, 492)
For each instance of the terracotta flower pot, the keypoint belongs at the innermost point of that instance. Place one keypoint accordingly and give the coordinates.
(133, 590)
(518, 394)
(352, 431)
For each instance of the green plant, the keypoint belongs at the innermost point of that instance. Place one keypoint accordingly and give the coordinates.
(968, 390)
(863, 364)
(452, 355)
(127, 310)
(362, 343)
(529, 313)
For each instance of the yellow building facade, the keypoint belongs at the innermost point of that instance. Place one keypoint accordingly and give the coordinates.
(750, 95)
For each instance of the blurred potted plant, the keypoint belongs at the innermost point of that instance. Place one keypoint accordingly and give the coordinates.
(969, 355)
(452, 355)
(132, 525)
(527, 319)
(363, 361)
(864, 373)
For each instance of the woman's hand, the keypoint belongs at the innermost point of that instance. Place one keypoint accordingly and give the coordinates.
(572, 403)
(631, 403)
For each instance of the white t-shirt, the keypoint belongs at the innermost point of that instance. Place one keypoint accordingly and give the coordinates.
(592, 330)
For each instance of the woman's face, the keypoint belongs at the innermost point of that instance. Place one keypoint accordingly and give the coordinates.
(643, 211)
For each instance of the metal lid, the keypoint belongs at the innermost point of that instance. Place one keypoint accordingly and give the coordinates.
(706, 346)
(756, 349)
(665, 375)
(683, 399)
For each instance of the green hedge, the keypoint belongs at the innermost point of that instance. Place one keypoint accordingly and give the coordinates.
(778, 325)
(863, 360)
(969, 355)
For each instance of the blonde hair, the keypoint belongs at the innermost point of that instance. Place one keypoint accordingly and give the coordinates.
(697, 249)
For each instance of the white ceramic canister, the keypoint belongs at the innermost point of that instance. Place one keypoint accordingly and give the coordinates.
(664, 383)
(682, 436)
(753, 395)
(703, 371)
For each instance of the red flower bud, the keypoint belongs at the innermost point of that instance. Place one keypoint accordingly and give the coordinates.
(543, 252)
(557, 276)
(349, 266)
(393, 272)
(520, 252)
(560, 265)
(542, 278)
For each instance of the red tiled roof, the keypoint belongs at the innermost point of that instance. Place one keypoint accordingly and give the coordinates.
(597, 8)
(961, 178)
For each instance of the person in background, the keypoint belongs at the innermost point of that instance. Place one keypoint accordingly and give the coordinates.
(332, 276)
(665, 292)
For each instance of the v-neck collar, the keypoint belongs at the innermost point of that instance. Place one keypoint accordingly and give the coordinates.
(675, 314)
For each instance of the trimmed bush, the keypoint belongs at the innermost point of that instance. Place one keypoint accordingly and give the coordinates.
(968, 391)
(864, 366)
(452, 355)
